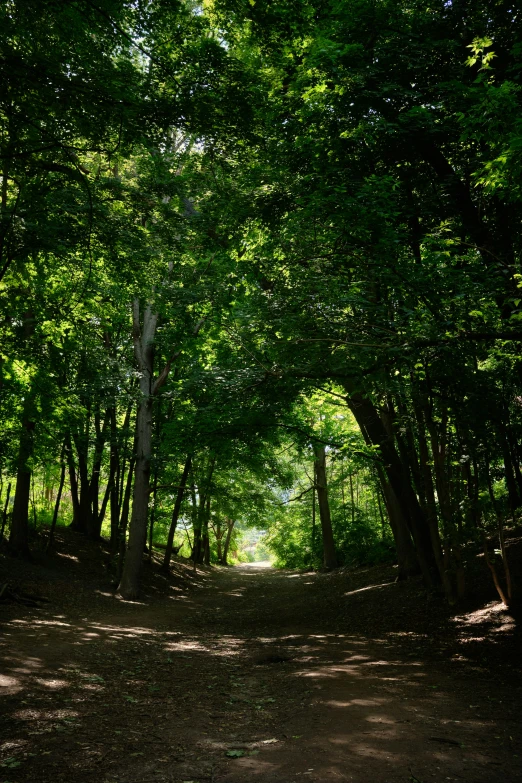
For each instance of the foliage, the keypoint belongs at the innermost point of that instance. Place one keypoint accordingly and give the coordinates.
(318, 206)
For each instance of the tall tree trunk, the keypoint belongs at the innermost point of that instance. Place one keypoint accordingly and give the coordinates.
(124, 519)
(95, 518)
(73, 483)
(408, 564)
(103, 508)
(230, 528)
(6, 507)
(509, 470)
(175, 513)
(218, 531)
(129, 584)
(381, 514)
(329, 554)
(19, 534)
(312, 538)
(50, 540)
(375, 433)
(508, 593)
(206, 538)
(81, 440)
(199, 523)
(352, 497)
(431, 505)
(127, 436)
(153, 512)
(144, 355)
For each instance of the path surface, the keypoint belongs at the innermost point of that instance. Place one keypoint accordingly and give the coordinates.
(252, 662)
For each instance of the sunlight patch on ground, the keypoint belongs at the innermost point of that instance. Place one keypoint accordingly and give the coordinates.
(32, 714)
(370, 587)
(380, 719)
(185, 646)
(357, 703)
(131, 602)
(51, 683)
(11, 684)
(495, 613)
(126, 630)
(68, 557)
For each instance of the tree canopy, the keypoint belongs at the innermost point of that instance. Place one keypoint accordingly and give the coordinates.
(260, 265)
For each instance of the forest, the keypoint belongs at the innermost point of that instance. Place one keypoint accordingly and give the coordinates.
(260, 300)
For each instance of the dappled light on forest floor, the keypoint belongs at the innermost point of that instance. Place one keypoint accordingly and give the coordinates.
(370, 587)
(260, 564)
(495, 616)
(277, 687)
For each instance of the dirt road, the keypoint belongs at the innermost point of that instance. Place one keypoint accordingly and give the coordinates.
(250, 675)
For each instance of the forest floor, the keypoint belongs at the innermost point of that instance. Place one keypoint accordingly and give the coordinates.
(252, 674)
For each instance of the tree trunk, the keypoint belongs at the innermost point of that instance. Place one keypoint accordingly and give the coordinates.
(375, 433)
(329, 554)
(127, 436)
(94, 517)
(50, 540)
(73, 483)
(312, 539)
(129, 584)
(381, 514)
(19, 535)
(206, 538)
(230, 528)
(506, 595)
(175, 514)
(509, 471)
(6, 506)
(431, 505)
(144, 354)
(199, 518)
(219, 540)
(81, 520)
(352, 498)
(124, 519)
(153, 511)
(407, 562)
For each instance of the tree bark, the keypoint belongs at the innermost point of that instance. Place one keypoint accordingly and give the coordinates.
(94, 518)
(230, 528)
(124, 519)
(199, 526)
(50, 540)
(144, 355)
(407, 562)
(175, 514)
(431, 505)
(19, 534)
(73, 483)
(375, 433)
(6, 506)
(129, 584)
(312, 538)
(206, 538)
(329, 553)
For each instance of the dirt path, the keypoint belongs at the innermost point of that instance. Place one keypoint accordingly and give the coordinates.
(261, 665)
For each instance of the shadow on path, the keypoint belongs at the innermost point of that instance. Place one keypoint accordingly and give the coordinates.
(254, 663)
